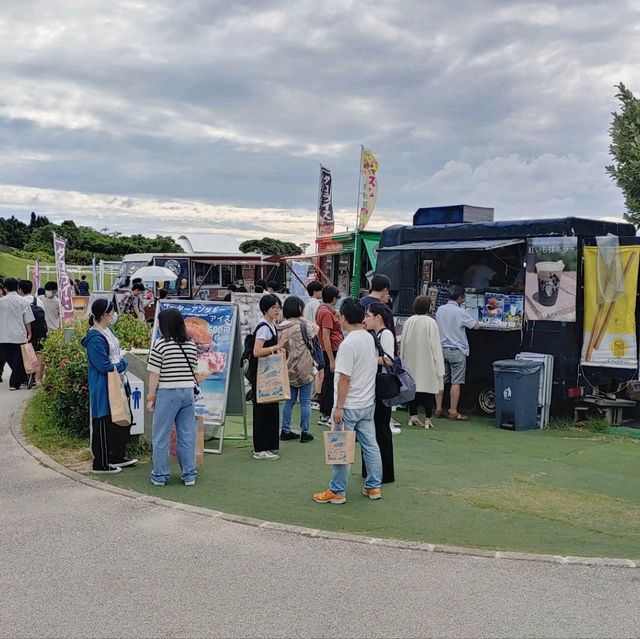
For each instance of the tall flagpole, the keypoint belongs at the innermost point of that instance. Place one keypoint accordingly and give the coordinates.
(357, 253)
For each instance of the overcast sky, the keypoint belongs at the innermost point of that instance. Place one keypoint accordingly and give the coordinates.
(212, 117)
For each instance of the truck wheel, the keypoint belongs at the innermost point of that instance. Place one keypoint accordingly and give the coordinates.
(485, 399)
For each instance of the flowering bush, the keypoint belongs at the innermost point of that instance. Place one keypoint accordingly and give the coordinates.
(65, 381)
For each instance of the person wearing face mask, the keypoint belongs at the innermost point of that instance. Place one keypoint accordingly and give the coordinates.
(108, 441)
(51, 305)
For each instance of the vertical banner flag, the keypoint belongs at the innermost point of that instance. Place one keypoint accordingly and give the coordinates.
(610, 321)
(65, 287)
(369, 186)
(36, 276)
(325, 204)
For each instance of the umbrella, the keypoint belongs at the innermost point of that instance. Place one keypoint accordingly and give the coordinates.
(155, 274)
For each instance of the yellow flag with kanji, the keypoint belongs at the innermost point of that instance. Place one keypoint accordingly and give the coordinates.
(369, 184)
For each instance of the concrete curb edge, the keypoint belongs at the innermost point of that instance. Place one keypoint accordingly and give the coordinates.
(15, 426)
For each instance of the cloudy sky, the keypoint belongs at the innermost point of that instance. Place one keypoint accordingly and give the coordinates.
(212, 117)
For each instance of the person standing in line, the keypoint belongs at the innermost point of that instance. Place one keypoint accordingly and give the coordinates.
(51, 304)
(380, 291)
(132, 302)
(272, 287)
(15, 330)
(3, 292)
(379, 321)
(108, 440)
(314, 289)
(83, 286)
(301, 367)
(421, 353)
(172, 364)
(453, 320)
(356, 367)
(38, 328)
(266, 417)
(330, 337)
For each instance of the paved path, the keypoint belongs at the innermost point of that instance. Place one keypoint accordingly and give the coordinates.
(76, 561)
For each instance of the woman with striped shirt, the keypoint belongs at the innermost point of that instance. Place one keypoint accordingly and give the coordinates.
(172, 364)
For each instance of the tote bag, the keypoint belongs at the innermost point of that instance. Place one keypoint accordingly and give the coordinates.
(339, 446)
(29, 358)
(118, 399)
(272, 379)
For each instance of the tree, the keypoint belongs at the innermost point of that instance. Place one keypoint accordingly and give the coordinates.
(270, 246)
(625, 149)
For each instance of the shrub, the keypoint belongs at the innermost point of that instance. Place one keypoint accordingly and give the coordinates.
(65, 381)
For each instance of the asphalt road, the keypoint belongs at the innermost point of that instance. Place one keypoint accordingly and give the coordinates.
(76, 561)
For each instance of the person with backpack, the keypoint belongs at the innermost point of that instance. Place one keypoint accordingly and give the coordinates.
(50, 302)
(38, 327)
(172, 379)
(266, 417)
(299, 335)
(378, 320)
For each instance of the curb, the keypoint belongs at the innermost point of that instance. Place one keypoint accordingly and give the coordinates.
(15, 426)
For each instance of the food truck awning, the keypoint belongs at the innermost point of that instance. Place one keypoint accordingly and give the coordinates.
(371, 245)
(454, 245)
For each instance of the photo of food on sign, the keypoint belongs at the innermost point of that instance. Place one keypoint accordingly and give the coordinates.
(211, 327)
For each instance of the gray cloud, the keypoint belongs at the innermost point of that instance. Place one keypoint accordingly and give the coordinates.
(228, 107)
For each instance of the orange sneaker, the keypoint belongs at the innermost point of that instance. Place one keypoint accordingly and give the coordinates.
(372, 493)
(329, 497)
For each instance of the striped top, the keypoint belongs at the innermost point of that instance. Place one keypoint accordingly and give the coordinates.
(167, 359)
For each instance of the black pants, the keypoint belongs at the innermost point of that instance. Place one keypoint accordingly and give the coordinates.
(266, 427)
(427, 400)
(12, 355)
(108, 442)
(381, 417)
(326, 394)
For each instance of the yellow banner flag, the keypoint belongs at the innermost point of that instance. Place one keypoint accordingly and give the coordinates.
(610, 327)
(369, 185)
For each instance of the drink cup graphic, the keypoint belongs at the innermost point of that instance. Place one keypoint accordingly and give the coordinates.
(549, 281)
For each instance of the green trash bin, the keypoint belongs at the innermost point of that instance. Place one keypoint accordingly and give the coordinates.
(517, 383)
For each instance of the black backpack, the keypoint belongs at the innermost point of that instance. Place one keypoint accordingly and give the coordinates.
(39, 324)
(247, 354)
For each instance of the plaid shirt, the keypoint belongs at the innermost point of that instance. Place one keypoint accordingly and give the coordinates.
(132, 305)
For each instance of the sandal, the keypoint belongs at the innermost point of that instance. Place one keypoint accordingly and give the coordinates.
(456, 416)
(414, 420)
(438, 413)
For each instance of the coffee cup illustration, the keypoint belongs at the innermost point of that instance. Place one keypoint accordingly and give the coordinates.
(549, 281)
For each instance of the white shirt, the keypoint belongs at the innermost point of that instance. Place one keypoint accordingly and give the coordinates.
(478, 276)
(452, 320)
(267, 331)
(14, 316)
(387, 339)
(358, 358)
(311, 308)
(29, 299)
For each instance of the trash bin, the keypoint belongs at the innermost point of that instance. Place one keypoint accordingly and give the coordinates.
(517, 383)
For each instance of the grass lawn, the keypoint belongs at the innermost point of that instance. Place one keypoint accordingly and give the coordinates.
(467, 484)
(11, 266)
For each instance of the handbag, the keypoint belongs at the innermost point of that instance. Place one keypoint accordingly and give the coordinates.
(197, 391)
(29, 358)
(394, 383)
(119, 406)
(272, 379)
(314, 347)
(339, 447)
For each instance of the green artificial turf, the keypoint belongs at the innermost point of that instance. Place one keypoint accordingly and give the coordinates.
(467, 484)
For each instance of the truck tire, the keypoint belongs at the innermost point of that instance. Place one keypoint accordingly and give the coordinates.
(484, 398)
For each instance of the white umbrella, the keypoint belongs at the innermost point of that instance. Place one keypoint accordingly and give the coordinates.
(155, 274)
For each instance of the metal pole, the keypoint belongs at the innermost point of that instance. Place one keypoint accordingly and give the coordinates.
(357, 253)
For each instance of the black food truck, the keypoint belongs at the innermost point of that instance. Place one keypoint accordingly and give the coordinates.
(523, 282)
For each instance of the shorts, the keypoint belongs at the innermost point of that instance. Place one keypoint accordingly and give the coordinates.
(455, 365)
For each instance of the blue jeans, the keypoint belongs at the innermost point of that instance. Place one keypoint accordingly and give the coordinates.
(360, 420)
(304, 392)
(174, 405)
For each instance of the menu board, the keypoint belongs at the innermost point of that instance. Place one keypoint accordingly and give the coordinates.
(503, 312)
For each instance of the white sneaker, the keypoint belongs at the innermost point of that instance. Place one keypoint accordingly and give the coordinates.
(190, 482)
(315, 405)
(112, 471)
(393, 422)
(265, 454)
(394, 430)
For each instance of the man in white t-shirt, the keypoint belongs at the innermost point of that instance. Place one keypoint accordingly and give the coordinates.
(354, 403)
(314, 289)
